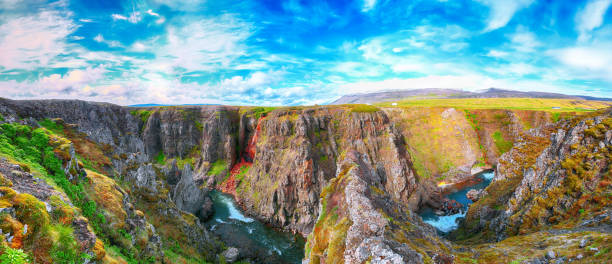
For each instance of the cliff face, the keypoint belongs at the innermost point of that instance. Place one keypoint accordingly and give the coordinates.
(555, 176)
(296, 157)
(360, 222)
(449, 145)
(127, 199)
(349, 177)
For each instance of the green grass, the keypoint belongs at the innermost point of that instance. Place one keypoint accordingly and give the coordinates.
(243, 171)
(363, 108)
(160, 158)
(217, 167)
(143, 115)
(260, 111)
(565, 105)
(502, 144)
(50, 125)
(14, 256)
(31, 147)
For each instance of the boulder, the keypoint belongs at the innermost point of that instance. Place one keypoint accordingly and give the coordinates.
(474, 195)
(230, 255)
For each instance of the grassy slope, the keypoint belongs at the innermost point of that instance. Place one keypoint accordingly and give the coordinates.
(97, 198)
(437, 143)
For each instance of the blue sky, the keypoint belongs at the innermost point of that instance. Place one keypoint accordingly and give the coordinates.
(298, 52)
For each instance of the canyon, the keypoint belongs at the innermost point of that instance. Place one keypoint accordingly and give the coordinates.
(141, 184)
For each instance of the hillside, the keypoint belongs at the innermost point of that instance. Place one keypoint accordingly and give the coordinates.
(83, 181)
(433, 93)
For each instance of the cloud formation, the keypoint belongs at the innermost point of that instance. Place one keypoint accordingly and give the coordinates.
(291, 52)
(591, 17)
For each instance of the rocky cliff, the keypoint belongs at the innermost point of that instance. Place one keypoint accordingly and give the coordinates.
(555, 177)
(348, 177)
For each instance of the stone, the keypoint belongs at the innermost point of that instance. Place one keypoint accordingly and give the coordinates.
(187, 195)
(206, 210)
(550, 254)
(583, 242)
(231, 254)
(9, 210)
(474, 195)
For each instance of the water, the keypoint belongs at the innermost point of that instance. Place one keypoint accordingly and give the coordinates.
(255, 240)
(448, 223)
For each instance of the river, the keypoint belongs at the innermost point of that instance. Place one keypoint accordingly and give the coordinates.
(255, 240)
(448, 223)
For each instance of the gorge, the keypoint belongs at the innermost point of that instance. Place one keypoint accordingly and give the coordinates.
(155, 184)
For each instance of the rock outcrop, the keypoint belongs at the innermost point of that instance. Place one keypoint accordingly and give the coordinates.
(359, 222)
(552, 177)
(295, 158)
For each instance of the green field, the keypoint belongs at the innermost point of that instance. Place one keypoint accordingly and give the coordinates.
(550, 105)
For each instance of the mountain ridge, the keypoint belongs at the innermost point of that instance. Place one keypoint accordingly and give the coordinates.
(440, 93)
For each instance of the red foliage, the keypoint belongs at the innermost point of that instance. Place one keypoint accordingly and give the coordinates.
(229, 185)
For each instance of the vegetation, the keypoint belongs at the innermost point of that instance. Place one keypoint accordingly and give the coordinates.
(435, 150)
(363, 108)
(326, 242)
(217, 167)
(549, 105)
(143, 115)
(260, 111)
(502, 144)
(160, 158)
(13, 256)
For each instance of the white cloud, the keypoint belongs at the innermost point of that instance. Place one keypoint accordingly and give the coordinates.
(498, 54)
(138, 46)
(150, 12)
(134, 17)
(111, 43)
(184, 5)
(99, 38)
(591, 17)
(587, 61)
(513, 69)
(34, 40)
(358, 69)
(524, 40)
(501, 11)
(206, 44)
(75, 79)
(368, 5)
(119, 17)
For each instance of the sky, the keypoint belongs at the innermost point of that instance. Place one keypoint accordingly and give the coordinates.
(273, 52)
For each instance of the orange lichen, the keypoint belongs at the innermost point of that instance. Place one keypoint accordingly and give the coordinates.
(98, 250)
(108, 197)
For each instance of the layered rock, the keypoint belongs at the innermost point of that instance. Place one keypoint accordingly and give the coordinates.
(295, 158)
(109, 138)
(550, 177)
(360, 222)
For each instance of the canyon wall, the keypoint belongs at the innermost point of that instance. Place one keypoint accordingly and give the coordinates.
(556, 176)
(278, 163)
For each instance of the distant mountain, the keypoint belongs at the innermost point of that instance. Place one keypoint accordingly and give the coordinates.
(154, 105)
(431, 93)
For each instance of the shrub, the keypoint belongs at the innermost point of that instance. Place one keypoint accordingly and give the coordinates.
(160, 158)
(13, 256)
(217, 167)
(66, 250)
